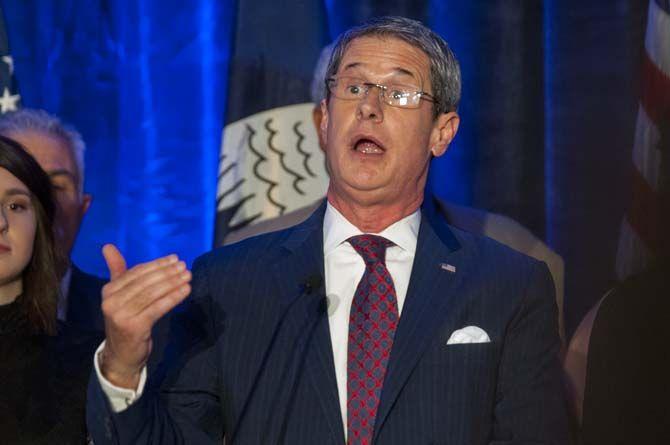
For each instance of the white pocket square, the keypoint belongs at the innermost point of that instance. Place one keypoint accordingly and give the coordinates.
(469, 334)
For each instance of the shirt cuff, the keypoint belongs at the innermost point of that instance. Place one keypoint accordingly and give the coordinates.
(119, 398)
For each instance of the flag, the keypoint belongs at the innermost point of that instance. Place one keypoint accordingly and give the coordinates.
(646, 225)
(10, 99)
(270, 162)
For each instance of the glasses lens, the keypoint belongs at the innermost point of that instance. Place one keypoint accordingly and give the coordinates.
(401, 96)
(351, 88)
(348, 88)
(354, 88)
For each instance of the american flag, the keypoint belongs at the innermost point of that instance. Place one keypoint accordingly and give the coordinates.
(9, 96)
(645, 231)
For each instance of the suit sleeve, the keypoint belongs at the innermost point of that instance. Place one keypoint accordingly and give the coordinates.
(530, 407)
(181, 402)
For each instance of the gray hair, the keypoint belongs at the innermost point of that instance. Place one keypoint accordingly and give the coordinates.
(26, 119)
(318, 87)
(445, 74)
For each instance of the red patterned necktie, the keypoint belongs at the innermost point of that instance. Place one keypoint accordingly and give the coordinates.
(372, 325)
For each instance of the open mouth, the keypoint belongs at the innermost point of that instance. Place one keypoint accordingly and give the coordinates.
(368, 146)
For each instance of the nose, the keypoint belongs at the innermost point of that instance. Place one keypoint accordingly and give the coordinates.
(370, 107)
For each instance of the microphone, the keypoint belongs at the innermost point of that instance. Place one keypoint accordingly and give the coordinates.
(307, 287)
(310, 284)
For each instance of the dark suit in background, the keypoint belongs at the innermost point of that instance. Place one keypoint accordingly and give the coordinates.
(253, 356)
(84, 298)
(627, 392)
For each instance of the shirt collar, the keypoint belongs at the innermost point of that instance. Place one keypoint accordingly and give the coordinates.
(337, 229)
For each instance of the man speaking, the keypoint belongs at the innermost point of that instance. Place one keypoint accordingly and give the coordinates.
(371, 322)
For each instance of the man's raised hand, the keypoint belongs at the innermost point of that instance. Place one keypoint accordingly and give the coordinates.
(132, 302)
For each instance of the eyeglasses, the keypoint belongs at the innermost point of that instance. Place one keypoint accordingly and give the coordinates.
(396, 95)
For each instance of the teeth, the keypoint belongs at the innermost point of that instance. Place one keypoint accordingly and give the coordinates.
(368, 148)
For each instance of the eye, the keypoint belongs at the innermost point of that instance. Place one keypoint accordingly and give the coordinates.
(397, 94)
(61, 183)
(17, 207)
(354, 89)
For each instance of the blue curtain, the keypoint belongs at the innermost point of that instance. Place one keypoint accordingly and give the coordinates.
(145, 84)
(548, 112)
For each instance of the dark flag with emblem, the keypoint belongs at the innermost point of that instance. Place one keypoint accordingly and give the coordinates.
(9, 96)
(270, 162)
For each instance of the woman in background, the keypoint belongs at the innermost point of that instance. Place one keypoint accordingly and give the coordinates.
(44, 365)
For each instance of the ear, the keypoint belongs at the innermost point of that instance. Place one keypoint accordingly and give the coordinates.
(317, 114)
(85, 203)
(323, 127)
(444, 131)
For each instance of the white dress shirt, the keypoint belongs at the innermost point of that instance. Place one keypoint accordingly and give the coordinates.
(344, 268)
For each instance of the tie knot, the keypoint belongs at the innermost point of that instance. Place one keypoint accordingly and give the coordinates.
(371, 247)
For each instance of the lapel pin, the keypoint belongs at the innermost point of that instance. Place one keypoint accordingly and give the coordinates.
(448, 267)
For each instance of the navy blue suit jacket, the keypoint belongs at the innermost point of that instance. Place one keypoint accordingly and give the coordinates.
(252, 358)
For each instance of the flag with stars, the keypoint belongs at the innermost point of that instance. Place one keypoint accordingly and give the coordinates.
(270, 161)
(644, 230)
(10, 98)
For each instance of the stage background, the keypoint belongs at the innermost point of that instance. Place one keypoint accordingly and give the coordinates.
(548, 114)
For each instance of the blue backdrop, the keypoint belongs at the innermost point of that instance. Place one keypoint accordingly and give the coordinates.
(548, 113)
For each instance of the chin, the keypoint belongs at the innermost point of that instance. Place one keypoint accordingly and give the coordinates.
(369, 179)
(368, 187)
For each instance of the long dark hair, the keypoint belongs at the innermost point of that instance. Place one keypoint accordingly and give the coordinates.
(40, 277)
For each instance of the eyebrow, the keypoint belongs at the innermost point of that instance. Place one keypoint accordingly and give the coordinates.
(396, 70)
(62, 172)
(15, 191)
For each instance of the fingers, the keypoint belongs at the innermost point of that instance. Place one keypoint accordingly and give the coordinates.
(137, 272)
(129, 293)
(161, 306)
(141, 292)
(135, 320)
(115, 261)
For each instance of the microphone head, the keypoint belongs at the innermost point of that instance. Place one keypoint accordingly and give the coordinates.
(311, 283)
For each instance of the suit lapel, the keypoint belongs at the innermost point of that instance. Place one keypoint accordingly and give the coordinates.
(304, 261)
(430, 297)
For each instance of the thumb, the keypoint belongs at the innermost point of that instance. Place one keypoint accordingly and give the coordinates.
(115, 261)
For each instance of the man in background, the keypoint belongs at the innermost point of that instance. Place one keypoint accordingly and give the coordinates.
(59, 149)
(499, 227)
